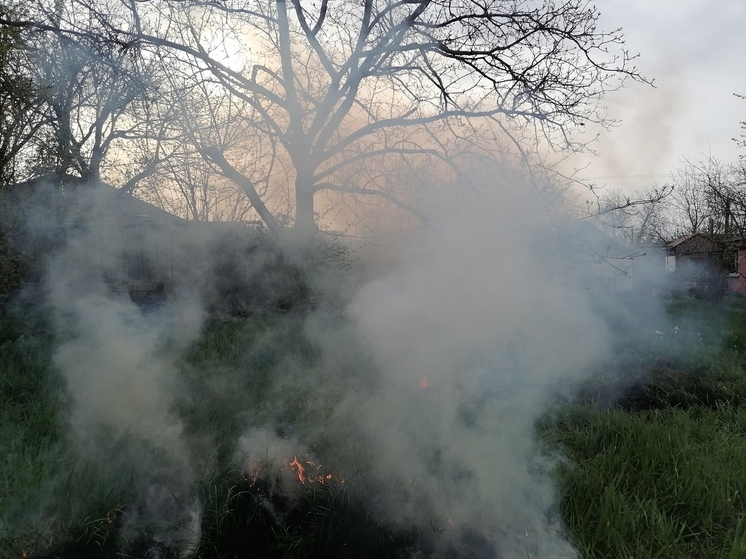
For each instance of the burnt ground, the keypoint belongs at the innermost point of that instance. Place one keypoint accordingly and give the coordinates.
(256, 521)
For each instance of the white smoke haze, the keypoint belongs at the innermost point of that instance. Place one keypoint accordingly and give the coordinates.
(465, 338)
(472, 334)
(118, 361)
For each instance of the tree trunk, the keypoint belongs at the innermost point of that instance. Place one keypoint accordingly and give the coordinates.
(305, 220)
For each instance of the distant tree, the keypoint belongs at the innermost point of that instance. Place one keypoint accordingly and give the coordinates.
(741, 141)
(690, 210)
(22, 111)
(86, 84)
(635, 218)
(89, 85)
(709, 197)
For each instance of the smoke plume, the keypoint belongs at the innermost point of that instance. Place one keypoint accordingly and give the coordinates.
(119, 363)
(464, 341)
(472, 333)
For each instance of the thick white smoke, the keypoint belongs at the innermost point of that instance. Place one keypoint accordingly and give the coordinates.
(472, 333)
(119, 363)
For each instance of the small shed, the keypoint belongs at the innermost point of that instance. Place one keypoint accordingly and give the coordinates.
(699, 264)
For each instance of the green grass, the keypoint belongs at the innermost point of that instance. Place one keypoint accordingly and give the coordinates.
(652, 447)
(47, 497)
(660, 484)
(655, 446)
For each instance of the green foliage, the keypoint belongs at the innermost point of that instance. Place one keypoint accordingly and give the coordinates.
(28, 427)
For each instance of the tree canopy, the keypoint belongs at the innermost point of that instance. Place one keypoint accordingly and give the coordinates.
(288, 100)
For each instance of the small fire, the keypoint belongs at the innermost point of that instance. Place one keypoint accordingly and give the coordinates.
(299, 469)
(252, 476)
(424, 383)
(309, 472)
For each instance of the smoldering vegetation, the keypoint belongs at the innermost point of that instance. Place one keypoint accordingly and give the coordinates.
(416, 399)
(397, 419)
(208, 390)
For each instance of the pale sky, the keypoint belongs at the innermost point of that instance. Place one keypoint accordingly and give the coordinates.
(695, 50)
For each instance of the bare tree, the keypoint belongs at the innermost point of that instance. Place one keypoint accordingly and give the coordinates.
(22, 111)
(334, 84)
(709, 197)
(741, 141)
(635, 218)
(86, 84)
(89, 87)
(689, 202)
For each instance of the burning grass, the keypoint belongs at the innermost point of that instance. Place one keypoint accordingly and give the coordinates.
(55, 507)
(316, 520)
(653, 448)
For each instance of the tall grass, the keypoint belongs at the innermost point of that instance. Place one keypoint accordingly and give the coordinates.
(664, 483)
(655, 446)
(47, 496)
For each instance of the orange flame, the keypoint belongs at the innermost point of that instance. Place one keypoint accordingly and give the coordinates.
(301, 471)
(309, 472)
(424, 383)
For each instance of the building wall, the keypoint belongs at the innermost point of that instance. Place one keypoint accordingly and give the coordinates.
(737, 283)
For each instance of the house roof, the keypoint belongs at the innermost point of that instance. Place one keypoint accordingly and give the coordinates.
(706, 242)
(117, 204)
(681, 240)
(696, 244)
(70, 199)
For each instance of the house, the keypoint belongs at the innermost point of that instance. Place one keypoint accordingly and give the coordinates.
(117, 236)
(97, 234)
(700, 264)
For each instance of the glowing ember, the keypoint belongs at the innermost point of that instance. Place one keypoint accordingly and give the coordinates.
(253, 475)
(424, 383)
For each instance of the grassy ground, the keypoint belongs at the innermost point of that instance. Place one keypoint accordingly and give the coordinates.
(653, 446)
(254, 371)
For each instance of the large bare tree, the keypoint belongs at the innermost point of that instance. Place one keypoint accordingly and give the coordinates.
(336, 86)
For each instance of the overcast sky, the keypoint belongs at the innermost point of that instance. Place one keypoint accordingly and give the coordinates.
(695, 50)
